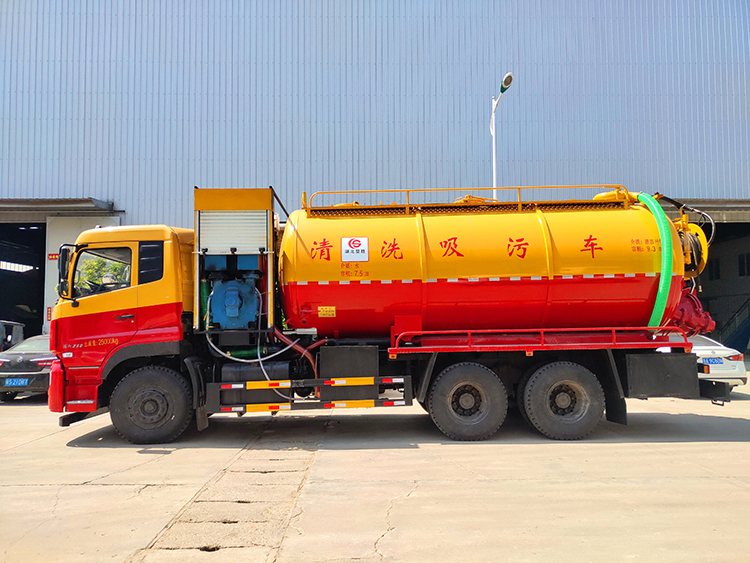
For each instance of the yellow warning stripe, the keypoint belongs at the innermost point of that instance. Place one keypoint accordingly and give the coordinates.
(267, 384)
(333, 382)
(268, 407)
(352, 381)
(350, 404)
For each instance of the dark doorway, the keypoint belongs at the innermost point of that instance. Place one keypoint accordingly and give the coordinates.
(22, 260)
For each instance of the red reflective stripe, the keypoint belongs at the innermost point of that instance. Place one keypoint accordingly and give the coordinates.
(329, 405)
(388, 403)
(388, 380)
(328, 383)
(271, 384)
(226, 409)
(226, 386)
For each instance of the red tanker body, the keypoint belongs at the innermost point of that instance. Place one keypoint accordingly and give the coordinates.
(356, 271)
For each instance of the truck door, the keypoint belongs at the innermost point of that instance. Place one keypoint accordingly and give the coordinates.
(104, 313)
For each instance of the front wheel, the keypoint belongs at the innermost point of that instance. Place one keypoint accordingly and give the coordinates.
(467, 401)
(151, 405)
(564, 400)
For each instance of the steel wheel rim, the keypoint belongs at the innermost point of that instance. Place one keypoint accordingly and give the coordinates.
(468, 403)
(568, 401)
(150, 408)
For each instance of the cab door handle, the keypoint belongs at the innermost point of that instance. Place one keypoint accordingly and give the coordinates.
(125, 317)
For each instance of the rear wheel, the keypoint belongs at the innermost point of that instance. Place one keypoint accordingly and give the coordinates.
(151, 405)
(564, 401)
(8, 396)
(521, 394)
(467, 401)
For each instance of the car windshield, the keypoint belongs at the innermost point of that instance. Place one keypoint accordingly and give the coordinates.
(40, 344)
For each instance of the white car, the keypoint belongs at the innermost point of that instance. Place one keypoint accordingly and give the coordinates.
(716, 362)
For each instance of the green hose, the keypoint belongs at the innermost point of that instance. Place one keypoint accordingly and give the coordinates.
(252, 353)
(665, 279)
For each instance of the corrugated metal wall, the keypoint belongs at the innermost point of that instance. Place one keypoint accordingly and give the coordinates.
(136, 102)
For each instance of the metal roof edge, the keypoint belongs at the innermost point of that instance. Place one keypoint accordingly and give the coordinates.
(56, 204)
(721, 210)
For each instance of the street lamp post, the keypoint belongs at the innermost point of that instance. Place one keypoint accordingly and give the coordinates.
(507, 79)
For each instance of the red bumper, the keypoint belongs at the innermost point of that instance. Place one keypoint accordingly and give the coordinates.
(76, 394)
(56, 393)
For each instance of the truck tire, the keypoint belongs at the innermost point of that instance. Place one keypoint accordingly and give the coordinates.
(467, 401)
(151, 405)
(8, 396)
(564, 401)
(521, 393)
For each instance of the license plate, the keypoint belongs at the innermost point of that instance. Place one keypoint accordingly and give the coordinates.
(16, 381)
(713, 361)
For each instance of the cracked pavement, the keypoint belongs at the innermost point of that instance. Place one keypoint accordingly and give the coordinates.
(369, 486)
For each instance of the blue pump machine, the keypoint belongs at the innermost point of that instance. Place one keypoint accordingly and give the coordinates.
(234, 259)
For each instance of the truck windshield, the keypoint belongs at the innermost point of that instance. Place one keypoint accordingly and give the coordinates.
(100, 270)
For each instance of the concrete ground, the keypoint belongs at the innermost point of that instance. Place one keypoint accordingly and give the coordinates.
(367, 485)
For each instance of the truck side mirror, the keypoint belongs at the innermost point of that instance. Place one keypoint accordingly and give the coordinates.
(62, 289)
(63, 263)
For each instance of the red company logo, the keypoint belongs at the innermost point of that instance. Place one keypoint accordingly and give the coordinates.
(355, 249)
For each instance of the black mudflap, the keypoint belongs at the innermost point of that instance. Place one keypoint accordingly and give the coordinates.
(348, 361)
(661, 375)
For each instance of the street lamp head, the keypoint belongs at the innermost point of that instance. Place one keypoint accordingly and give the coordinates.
(507, 80)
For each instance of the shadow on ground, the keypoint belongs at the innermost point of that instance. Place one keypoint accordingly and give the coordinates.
(411, 430)
(25, 399)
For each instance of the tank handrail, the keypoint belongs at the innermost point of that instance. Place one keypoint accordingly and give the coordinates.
(307, 204)
(540, 342)
(664, 331)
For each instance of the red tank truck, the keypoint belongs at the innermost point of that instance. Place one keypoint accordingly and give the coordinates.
(564, 307)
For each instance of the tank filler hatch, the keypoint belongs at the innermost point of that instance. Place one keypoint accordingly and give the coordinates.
(234, 247)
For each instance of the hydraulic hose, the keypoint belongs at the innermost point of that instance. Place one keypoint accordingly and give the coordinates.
(682, 207)
(243, 361)
(665, 279)
(304, 352)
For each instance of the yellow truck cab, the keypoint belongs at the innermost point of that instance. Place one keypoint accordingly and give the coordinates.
(126, 297)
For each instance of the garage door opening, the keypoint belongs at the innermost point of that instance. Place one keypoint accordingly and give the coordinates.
(22, 261)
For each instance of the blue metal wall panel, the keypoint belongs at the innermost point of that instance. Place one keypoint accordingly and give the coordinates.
(136, 102)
